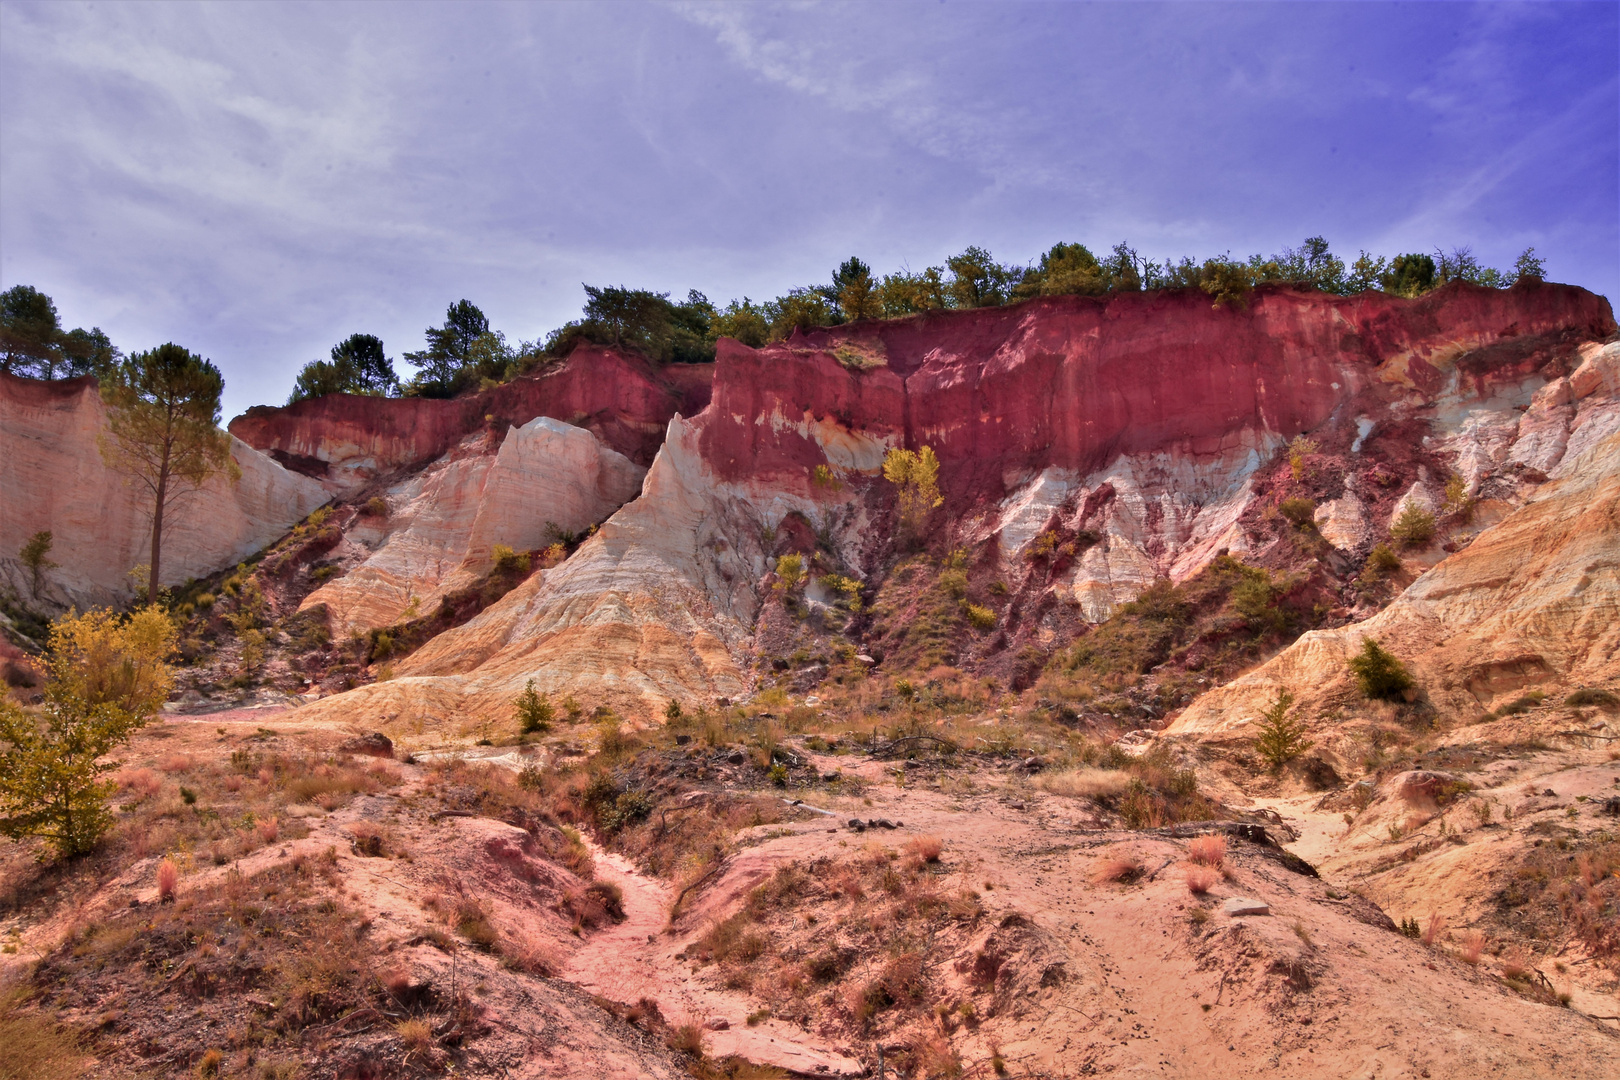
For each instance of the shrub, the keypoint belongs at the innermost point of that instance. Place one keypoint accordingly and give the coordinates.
(1592, 696)
(1120, 868)
(790, 572)
(1302, 512)
(376, 506)
(823, 477)
(916, 475)
(506, 560)
(1302, 447)
(106, 679)
(1086, 783)
(416, 1033)
(1414, 527)
(1378, 673)
(982, 618)
(1381, 561)
(1280, 740)
(534, 712)
(926, 848)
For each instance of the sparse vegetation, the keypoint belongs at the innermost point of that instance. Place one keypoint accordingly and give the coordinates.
(1379, 674)
(534, 711)
(1413, 527)
(915, 475)
(107, 678)
(1280, 739)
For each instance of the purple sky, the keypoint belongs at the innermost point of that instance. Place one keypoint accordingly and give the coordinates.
(258, 181)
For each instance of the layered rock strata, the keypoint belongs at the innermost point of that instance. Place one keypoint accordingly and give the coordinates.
(347, 441)
(52, 477)
(440, 525)
(1140, 418)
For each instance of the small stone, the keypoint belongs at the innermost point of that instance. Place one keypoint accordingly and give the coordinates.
(863, 658)
(829, 777)
(682, 740)
(857, 825)
(1242, 905)
(736, 757)
(812, 700)
(717, 1023)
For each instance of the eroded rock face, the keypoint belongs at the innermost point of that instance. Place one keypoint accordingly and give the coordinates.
(442, 523)
(1534, 600)
(1141, 419)
(52, 477)
(347, 441)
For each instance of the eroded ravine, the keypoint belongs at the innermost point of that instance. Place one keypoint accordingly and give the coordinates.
(635, 960)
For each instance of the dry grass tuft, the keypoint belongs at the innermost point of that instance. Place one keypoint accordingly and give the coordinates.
(1473, 947)
(926, 848)
(32, 1046)
(1086, 783)
(416, 1033)
(1201, 879)
(1435, 928)
(1123, 869)
(168, 878)
(1208, 850)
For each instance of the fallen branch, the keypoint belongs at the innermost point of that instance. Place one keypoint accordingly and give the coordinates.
(713, 870)
(885, 751)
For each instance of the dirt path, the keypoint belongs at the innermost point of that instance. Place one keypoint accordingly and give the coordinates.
(635, 960)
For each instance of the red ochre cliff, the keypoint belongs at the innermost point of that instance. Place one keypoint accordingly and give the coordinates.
(1146, 420)
(347, 440)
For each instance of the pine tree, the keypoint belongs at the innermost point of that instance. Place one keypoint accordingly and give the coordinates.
(1378, 672)
(163, 431)
(534, 711)
(1281, 740)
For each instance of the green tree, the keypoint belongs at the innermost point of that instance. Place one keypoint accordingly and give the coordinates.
(800, 309)
(916, 475)
(1378, 672)
(163, 430)
(35, 555)
(106, 679)
(534, 711)
(90, 352)
(977, 280)
(1410, 275)
(1528, 266)
(358, 365)
(1312, 264)
(449, 347)
(905, 293)
(1367, 272)
(1280, 739)
(30, 333)
(742, 321)
(853, 292)
(1067, 269)
(1414, 527)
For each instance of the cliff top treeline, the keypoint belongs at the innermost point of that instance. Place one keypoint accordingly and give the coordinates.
(465, 352)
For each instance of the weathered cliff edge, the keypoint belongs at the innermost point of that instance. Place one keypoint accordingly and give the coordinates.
(346, 441)
(52, 477)
(1142, 418)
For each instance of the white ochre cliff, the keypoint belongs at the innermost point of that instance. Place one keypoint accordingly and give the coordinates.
(52, 478)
